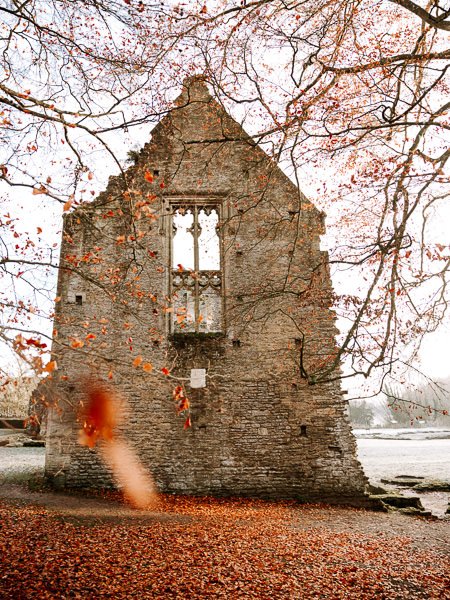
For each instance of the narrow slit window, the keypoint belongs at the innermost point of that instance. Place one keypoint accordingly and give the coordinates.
(196, 283)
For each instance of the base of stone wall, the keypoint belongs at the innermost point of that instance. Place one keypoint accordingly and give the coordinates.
(357, 500)
(57, 482)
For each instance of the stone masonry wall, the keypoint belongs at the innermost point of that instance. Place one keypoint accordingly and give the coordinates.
(258, 427)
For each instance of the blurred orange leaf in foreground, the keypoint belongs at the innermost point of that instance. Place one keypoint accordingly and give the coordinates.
(100, 418)
(129, 473)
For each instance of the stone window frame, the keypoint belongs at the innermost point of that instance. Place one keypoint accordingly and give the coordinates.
(197, 201)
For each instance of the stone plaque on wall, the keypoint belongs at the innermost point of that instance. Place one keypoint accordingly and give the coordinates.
(198, 378)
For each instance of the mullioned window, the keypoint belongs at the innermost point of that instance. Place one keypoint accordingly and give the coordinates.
(196, 273)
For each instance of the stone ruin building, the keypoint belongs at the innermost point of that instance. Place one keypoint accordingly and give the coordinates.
(205, 261)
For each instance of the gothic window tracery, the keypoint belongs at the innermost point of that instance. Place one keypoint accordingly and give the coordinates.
(196, 282)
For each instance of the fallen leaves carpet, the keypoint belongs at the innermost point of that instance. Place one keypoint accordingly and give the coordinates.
(209, 548)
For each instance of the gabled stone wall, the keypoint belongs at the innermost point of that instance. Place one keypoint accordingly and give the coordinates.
(258, 427)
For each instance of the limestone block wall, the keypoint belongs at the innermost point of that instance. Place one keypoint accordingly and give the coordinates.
(258, 427)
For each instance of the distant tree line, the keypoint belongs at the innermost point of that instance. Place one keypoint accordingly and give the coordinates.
(422, 406)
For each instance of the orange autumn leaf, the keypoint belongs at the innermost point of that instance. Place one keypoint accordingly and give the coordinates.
(187, 423)
(67, 205)
(147, 367)
(35, 343)
(148, 176)
(39, 190)
(165, 371)
(91, 336)
(77, 343)
(90, 176)
(178, 392)
(110, 375)
(39, 230)
(183, 404)
(137, 361)
(50, 366)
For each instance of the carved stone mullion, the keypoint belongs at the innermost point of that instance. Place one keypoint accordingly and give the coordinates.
(196, 270)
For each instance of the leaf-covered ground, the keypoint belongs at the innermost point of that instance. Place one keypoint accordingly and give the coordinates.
(75, 547)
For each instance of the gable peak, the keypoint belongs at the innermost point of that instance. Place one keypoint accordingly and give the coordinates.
(194, 90)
